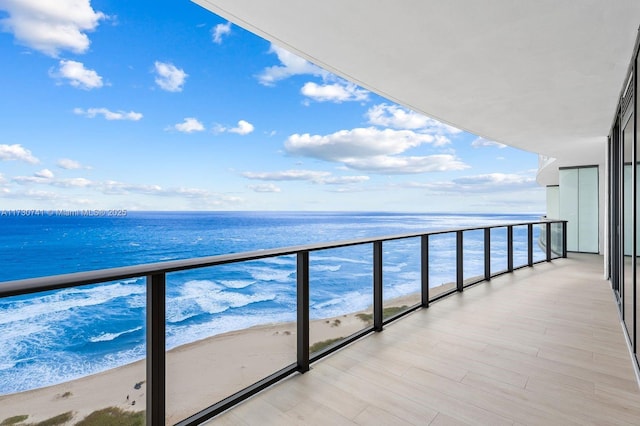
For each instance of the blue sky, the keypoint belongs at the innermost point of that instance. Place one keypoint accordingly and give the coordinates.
(165, 106)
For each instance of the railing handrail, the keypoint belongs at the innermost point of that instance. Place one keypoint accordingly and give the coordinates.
(156, 284)
(76, 279)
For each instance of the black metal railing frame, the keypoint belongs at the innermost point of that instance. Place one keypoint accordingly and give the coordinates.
(156, 299)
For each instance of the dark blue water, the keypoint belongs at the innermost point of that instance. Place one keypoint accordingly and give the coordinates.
(58, 336)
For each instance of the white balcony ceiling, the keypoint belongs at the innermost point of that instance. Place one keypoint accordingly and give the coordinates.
(543, 75)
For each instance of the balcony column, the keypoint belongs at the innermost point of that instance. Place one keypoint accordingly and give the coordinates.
(156, 349)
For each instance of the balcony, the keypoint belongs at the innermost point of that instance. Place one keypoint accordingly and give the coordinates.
(537, 333)
(543, 345)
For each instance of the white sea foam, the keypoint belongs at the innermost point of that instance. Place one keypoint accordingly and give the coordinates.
(352, 301)
(7, 365)
(270, 274)
(280, 260)
(237, 283)
(178, 334)
(64, 300)
(315, 257)
(107, 337)
(394, 268)
(204, 296)
(325, 268)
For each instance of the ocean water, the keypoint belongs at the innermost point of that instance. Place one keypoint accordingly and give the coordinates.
(52, 337)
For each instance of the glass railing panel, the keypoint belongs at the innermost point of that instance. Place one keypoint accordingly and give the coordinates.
(401, 275)
(520, 246)
(556, 240)
(442, 264)
(340, 294)
(473, 256)
(499, 261)
(539, 245)
(72, 353)
(227, 327)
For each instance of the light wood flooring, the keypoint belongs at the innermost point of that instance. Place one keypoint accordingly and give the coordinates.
(542, 346)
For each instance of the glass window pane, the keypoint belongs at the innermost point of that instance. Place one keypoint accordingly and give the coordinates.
(569, 205)
(588, 223)
(401, 275)
(498, 250)
(228, 325)
(473, 256)
(442, 264)
(340, 294)
(57, 346)
(628, 237)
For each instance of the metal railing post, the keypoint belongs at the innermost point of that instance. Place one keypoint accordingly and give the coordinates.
(510, 248)
(459, 262)
(156, 349)
(424, 270)
(377, 285)
(487, 253)
(302, 275)
(564, 239)
(548, 233)
(530, 244)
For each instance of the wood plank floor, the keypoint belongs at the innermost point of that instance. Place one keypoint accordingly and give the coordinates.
(542, 346)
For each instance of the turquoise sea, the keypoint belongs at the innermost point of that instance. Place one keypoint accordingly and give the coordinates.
(58, 336)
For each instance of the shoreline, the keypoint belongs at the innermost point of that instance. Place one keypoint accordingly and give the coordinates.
(230, 361)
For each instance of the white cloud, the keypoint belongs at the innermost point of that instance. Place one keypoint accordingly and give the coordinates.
(356, 143)
(484, 183)
(17, 152)
(68, 164)
(243, 128)
(290, 65)
(51, 26)
(335, 92)
(45, 174)
(110, 187)
(343, 180)
(401, 118)
(77, 74)
(189, 125)
(323, 178)
(219, 31)
(408, 165)
(374, 150)
(264, 187)
(108, 115)
(169, 77)
(308, 175)
(482, 142)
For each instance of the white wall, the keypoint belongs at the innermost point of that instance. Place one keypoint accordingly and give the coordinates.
(553, 206)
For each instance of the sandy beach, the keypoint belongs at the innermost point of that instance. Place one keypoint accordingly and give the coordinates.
(198, 374)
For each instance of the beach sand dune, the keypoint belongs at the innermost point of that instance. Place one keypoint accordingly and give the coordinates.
(198, 374)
